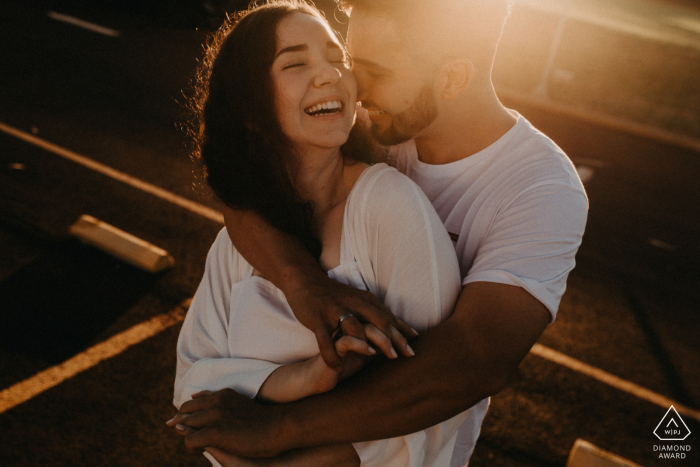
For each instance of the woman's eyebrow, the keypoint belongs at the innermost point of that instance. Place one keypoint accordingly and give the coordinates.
(292, 48)
(303, 47)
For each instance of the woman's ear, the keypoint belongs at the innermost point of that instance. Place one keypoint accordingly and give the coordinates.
(455, 76)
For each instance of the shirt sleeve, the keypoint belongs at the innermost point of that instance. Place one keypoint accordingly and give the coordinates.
(407, 259)
(203, 358)
(403, 251)
(533, 241)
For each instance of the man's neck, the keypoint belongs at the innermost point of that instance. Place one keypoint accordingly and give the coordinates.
(473, 124)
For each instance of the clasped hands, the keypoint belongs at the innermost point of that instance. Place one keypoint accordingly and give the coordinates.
(226, 423)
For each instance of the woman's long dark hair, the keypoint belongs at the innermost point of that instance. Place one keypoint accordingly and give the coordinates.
(246, 159)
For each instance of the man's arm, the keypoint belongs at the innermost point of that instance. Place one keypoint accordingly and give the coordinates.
(316, 300)
(459, 362)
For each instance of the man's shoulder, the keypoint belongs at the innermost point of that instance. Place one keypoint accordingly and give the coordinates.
(533, 157)
(529, 142)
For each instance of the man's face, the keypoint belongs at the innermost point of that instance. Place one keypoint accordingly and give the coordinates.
(398, 94)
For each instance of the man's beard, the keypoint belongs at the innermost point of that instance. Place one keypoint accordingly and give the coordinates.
(410, 122)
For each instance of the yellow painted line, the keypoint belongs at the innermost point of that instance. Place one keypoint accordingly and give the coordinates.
(185, 203)
(31, 387)
(612, 380)
(81, 23)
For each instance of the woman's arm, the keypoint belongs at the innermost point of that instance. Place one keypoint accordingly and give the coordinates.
(203, 361)
(298, 380)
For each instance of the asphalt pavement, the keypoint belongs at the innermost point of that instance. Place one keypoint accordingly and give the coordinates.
(631, 308)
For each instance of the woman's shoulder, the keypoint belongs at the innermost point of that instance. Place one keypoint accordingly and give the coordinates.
(382, 177)
(224, 259)
(381, 186)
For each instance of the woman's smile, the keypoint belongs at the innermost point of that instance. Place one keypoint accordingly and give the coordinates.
(332, 107)
(315, 92)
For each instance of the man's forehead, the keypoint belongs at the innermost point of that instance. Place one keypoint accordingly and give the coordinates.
(375, 38)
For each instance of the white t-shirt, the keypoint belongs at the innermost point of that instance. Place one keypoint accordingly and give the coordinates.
(515, 211)
(239, 327)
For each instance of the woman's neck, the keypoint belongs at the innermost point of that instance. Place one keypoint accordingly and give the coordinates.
(319, 179)
(326, 181)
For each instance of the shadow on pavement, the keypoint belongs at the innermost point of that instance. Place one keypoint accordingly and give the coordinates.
(53, 307)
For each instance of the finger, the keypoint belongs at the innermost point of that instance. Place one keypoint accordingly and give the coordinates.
(400, 343)
(175, 420)
(352, 344)
(405, 328)
(195, 405)
(204, 393)
(394, 329)
(373, 311)
(379, 340)
(351, 326)
(199, 419)
(184, 430)
(198, 440)
(226, 459)
(327, 348)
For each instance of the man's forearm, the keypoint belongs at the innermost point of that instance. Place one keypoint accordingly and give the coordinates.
(459, 362)
(278, 256)
(390, 398)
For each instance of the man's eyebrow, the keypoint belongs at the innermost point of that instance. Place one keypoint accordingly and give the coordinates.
(370, 64)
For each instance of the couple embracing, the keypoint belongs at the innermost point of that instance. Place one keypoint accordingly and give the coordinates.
(356, 312)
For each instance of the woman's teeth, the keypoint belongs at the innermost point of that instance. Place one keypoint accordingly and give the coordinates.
(325, 108)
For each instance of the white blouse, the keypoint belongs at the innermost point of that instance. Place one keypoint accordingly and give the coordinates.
(239, 327)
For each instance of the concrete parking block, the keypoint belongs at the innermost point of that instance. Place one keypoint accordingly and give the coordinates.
(585, 454)
(122, 245)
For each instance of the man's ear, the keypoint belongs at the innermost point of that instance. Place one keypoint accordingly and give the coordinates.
(455, 76)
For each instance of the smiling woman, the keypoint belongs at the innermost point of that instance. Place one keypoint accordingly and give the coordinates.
(275, 109)
(253, 98)
(315, 91)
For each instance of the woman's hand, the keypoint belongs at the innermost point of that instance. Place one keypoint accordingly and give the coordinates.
(353, 352)
(295, 381)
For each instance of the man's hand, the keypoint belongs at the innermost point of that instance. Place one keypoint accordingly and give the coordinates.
(318, 302)
(230, 422)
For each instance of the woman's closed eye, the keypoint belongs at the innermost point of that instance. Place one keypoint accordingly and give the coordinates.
(293, 65)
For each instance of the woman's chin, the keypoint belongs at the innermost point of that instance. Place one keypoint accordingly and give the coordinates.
(328, 140)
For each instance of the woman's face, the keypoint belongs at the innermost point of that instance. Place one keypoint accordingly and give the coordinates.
(315, 92)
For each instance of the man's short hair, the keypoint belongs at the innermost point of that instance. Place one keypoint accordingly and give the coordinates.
(470, 28)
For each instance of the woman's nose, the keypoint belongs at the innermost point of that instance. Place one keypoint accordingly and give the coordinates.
(327, 74)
